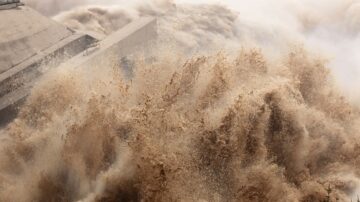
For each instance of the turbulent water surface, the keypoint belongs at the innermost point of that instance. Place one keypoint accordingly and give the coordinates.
(208, 119)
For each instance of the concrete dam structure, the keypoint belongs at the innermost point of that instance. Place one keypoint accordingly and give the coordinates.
(31, 44)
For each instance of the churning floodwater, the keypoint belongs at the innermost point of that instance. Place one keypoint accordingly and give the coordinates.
(228, 109)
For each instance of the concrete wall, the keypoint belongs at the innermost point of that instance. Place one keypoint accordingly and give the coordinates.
(24, 33)
(134, 37)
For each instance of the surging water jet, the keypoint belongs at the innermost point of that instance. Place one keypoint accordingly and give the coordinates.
(209, 126)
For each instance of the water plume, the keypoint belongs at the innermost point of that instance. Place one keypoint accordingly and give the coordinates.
(194, 123)
(216, 127)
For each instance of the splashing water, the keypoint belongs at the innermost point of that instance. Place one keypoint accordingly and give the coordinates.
(231, 126)
(216, 128)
